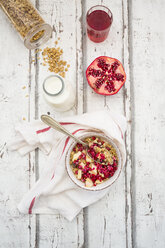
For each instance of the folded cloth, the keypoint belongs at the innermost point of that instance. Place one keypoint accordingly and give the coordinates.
(55, 191)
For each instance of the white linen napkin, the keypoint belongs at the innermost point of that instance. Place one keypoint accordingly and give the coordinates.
(55, 190)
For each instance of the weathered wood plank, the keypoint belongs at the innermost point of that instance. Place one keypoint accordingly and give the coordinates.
(128, 109)
(105, 220)
(148, 38)
(54, 230)
(14, 106)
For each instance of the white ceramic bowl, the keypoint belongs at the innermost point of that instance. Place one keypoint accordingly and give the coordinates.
(103, 185)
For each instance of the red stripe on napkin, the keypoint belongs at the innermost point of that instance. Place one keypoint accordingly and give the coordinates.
(67, 140)
(119, 129)
(47, 128)
(52, 177)
(31, 205)
(43, 130)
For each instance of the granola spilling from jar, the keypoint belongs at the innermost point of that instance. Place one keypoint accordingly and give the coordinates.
(89, 171)
(23, 16)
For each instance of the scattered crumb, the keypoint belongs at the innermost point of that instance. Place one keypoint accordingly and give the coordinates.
(52, 58)
(23, 118)
(27, 96)
(68, 65)
(56, 42)
(62, 74)
(58, 38)
(24, 87)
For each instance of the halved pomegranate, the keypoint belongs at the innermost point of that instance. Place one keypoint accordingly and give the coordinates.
(106, 75)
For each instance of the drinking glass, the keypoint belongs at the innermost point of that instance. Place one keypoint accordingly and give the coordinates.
(99, 19)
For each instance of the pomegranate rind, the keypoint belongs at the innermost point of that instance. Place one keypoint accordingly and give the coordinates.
(118, 84)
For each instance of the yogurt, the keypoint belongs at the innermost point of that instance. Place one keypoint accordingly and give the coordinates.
(58, 93)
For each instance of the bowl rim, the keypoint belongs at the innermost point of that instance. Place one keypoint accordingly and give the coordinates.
(77, 181)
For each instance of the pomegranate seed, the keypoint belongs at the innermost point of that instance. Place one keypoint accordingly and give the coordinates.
(119, 77)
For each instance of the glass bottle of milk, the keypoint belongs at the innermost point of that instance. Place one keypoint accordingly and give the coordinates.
(59, 93)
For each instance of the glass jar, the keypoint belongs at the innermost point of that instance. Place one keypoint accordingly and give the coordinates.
(27, 21)
(59, 93)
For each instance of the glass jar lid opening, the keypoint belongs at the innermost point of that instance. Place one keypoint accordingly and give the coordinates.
(38, 35)
(53, 85)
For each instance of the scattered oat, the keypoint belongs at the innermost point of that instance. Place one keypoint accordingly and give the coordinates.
(68, 65)
(27, 96)
(52, 58)
(23, 118)
(56, 42)
(62, 74)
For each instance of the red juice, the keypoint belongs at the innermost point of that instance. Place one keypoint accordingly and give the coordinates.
(98, 24)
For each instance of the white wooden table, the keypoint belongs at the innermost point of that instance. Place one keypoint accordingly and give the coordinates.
(133, 213)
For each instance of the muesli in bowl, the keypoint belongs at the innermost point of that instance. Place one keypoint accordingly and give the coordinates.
(100, 169)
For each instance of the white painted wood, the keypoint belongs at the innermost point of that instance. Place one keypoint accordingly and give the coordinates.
(106, 219)
(148, 40)
(128, 109)
(15, 229)
(54, 230)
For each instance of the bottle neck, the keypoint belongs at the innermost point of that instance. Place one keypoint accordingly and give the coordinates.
(53, 85)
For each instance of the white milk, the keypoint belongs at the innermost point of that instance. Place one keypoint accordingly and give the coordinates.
(53, 85)
(59, 93)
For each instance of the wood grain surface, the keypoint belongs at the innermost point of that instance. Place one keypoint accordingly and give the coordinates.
(132, 214)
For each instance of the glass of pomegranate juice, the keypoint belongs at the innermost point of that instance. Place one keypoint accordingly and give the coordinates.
(99, 19)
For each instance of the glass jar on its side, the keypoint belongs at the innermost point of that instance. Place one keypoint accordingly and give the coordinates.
(27, 21)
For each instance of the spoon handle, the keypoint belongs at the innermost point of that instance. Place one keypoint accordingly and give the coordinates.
(56, 125)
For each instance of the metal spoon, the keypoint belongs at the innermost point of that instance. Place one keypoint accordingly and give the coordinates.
(56, 125)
